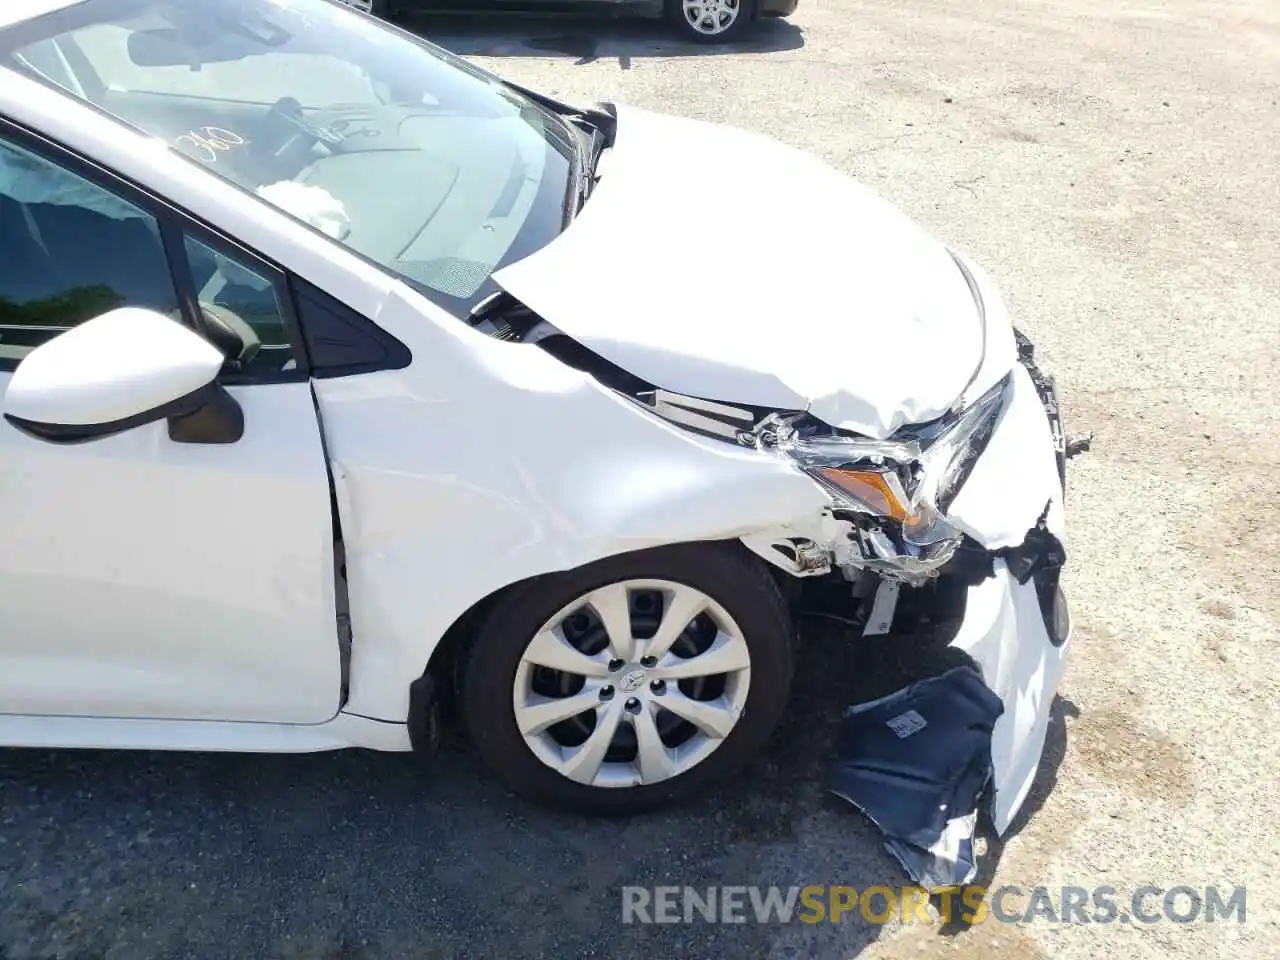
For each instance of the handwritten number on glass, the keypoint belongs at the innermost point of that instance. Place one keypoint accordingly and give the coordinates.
(207, 142)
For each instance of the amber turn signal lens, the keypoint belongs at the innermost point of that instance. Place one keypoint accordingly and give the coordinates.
(875, 489)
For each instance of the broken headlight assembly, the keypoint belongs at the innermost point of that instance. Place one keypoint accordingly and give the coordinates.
(896, 491)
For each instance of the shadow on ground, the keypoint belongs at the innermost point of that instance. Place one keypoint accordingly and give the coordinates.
(358, 855)
(587, 39)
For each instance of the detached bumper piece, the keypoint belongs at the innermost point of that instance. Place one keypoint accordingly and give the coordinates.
(917, 763)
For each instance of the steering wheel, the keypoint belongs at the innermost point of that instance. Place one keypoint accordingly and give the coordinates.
(290, 111)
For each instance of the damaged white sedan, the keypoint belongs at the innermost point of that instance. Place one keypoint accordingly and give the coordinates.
(344, 381)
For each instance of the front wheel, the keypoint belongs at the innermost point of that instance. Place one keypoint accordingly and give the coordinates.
(711, 21)
(627, 683)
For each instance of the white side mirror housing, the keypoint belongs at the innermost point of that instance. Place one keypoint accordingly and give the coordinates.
(115, 372)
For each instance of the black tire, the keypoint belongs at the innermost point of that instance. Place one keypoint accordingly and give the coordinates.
(674, 10)
(735, 579)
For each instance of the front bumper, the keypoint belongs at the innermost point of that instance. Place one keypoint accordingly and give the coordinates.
(1020, 652)
(778, 8)
(951, 745)
(1014, 628)
(1016, 625)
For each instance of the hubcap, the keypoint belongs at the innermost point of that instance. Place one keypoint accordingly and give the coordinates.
(711, 16)
(631, 684)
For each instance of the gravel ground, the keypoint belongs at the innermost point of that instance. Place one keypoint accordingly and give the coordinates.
(1114, 166)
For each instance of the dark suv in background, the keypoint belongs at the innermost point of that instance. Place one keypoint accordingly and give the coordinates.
(703, 21)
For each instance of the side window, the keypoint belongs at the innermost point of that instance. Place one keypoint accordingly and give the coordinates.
(69, 251)
(240, 301)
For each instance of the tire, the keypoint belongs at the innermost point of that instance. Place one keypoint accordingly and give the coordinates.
(734, 16)
(500, 679)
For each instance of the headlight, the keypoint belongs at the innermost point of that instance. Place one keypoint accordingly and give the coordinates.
(912, 478)
(946, 463)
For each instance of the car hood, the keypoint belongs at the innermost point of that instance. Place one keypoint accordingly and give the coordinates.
(725, 265)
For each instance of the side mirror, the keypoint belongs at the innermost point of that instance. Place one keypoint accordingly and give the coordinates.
(118, 371)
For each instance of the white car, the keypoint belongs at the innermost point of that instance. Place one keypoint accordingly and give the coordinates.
(342, 379)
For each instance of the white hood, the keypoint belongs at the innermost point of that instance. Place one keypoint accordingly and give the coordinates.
(722, 264)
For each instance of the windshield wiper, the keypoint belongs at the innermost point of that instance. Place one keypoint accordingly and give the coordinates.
(599, 122)
(588, 157)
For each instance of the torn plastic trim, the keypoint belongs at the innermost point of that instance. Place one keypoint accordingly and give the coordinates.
(1066, 447)
(1047, 391)
(1039, 560)
(916, 763)
(816, 549)
(855, 547)
(1039, 553)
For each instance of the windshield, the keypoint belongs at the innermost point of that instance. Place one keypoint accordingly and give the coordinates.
(389, 145)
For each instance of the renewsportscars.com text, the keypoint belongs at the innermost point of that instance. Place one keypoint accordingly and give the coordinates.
(968, 905)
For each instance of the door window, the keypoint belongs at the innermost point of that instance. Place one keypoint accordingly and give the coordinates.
(69, 251)
(238, 294)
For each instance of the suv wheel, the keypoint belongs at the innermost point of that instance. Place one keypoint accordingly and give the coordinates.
(711, 21)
